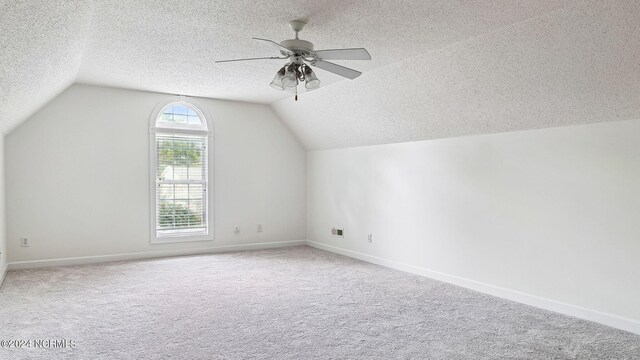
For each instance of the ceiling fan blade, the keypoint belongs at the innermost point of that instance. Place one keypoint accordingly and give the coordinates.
(260, 58)
(336, 69)
(343, 54)
(280, 47)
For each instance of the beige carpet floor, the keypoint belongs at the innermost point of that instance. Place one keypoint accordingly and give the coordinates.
(291, 303)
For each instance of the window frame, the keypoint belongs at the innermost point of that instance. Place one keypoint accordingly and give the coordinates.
(154, 129)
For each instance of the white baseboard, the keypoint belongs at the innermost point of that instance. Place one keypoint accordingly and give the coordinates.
(4, 274)
(612, 320)
(19, 265)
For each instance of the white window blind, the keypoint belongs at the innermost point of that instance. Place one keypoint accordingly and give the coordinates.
(181, 173)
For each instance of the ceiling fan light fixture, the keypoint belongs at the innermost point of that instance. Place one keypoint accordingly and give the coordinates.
(311, 80)
(290, 78)
(277, 80)
(292, 90)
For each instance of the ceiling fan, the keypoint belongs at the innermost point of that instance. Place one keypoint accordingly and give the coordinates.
(301, 56)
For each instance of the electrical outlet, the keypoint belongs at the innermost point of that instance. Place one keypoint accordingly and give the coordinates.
(370, 238)
(24, 242)
(337, 232)
(237, 230)
(259, 228)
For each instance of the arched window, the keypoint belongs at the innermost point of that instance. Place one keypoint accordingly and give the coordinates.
(181, 199)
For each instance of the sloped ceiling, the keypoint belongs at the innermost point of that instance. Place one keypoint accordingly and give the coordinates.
(41, 45)
(578, 64)
(441, 68)
(170, 45)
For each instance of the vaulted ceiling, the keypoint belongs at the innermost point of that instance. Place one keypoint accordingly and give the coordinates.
(440, 68)
(578, 64)
(41, 46)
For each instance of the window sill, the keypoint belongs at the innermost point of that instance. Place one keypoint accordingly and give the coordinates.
(180, 239)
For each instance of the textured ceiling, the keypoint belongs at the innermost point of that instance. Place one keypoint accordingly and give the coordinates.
(441, 68)
(577, 64)
(170, 46)
(41, 45)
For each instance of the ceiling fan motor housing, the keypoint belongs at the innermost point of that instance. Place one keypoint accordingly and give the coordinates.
(298, 46)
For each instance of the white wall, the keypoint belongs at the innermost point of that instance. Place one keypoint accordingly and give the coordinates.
(3, 232)
(553, 213)
(78, 176)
